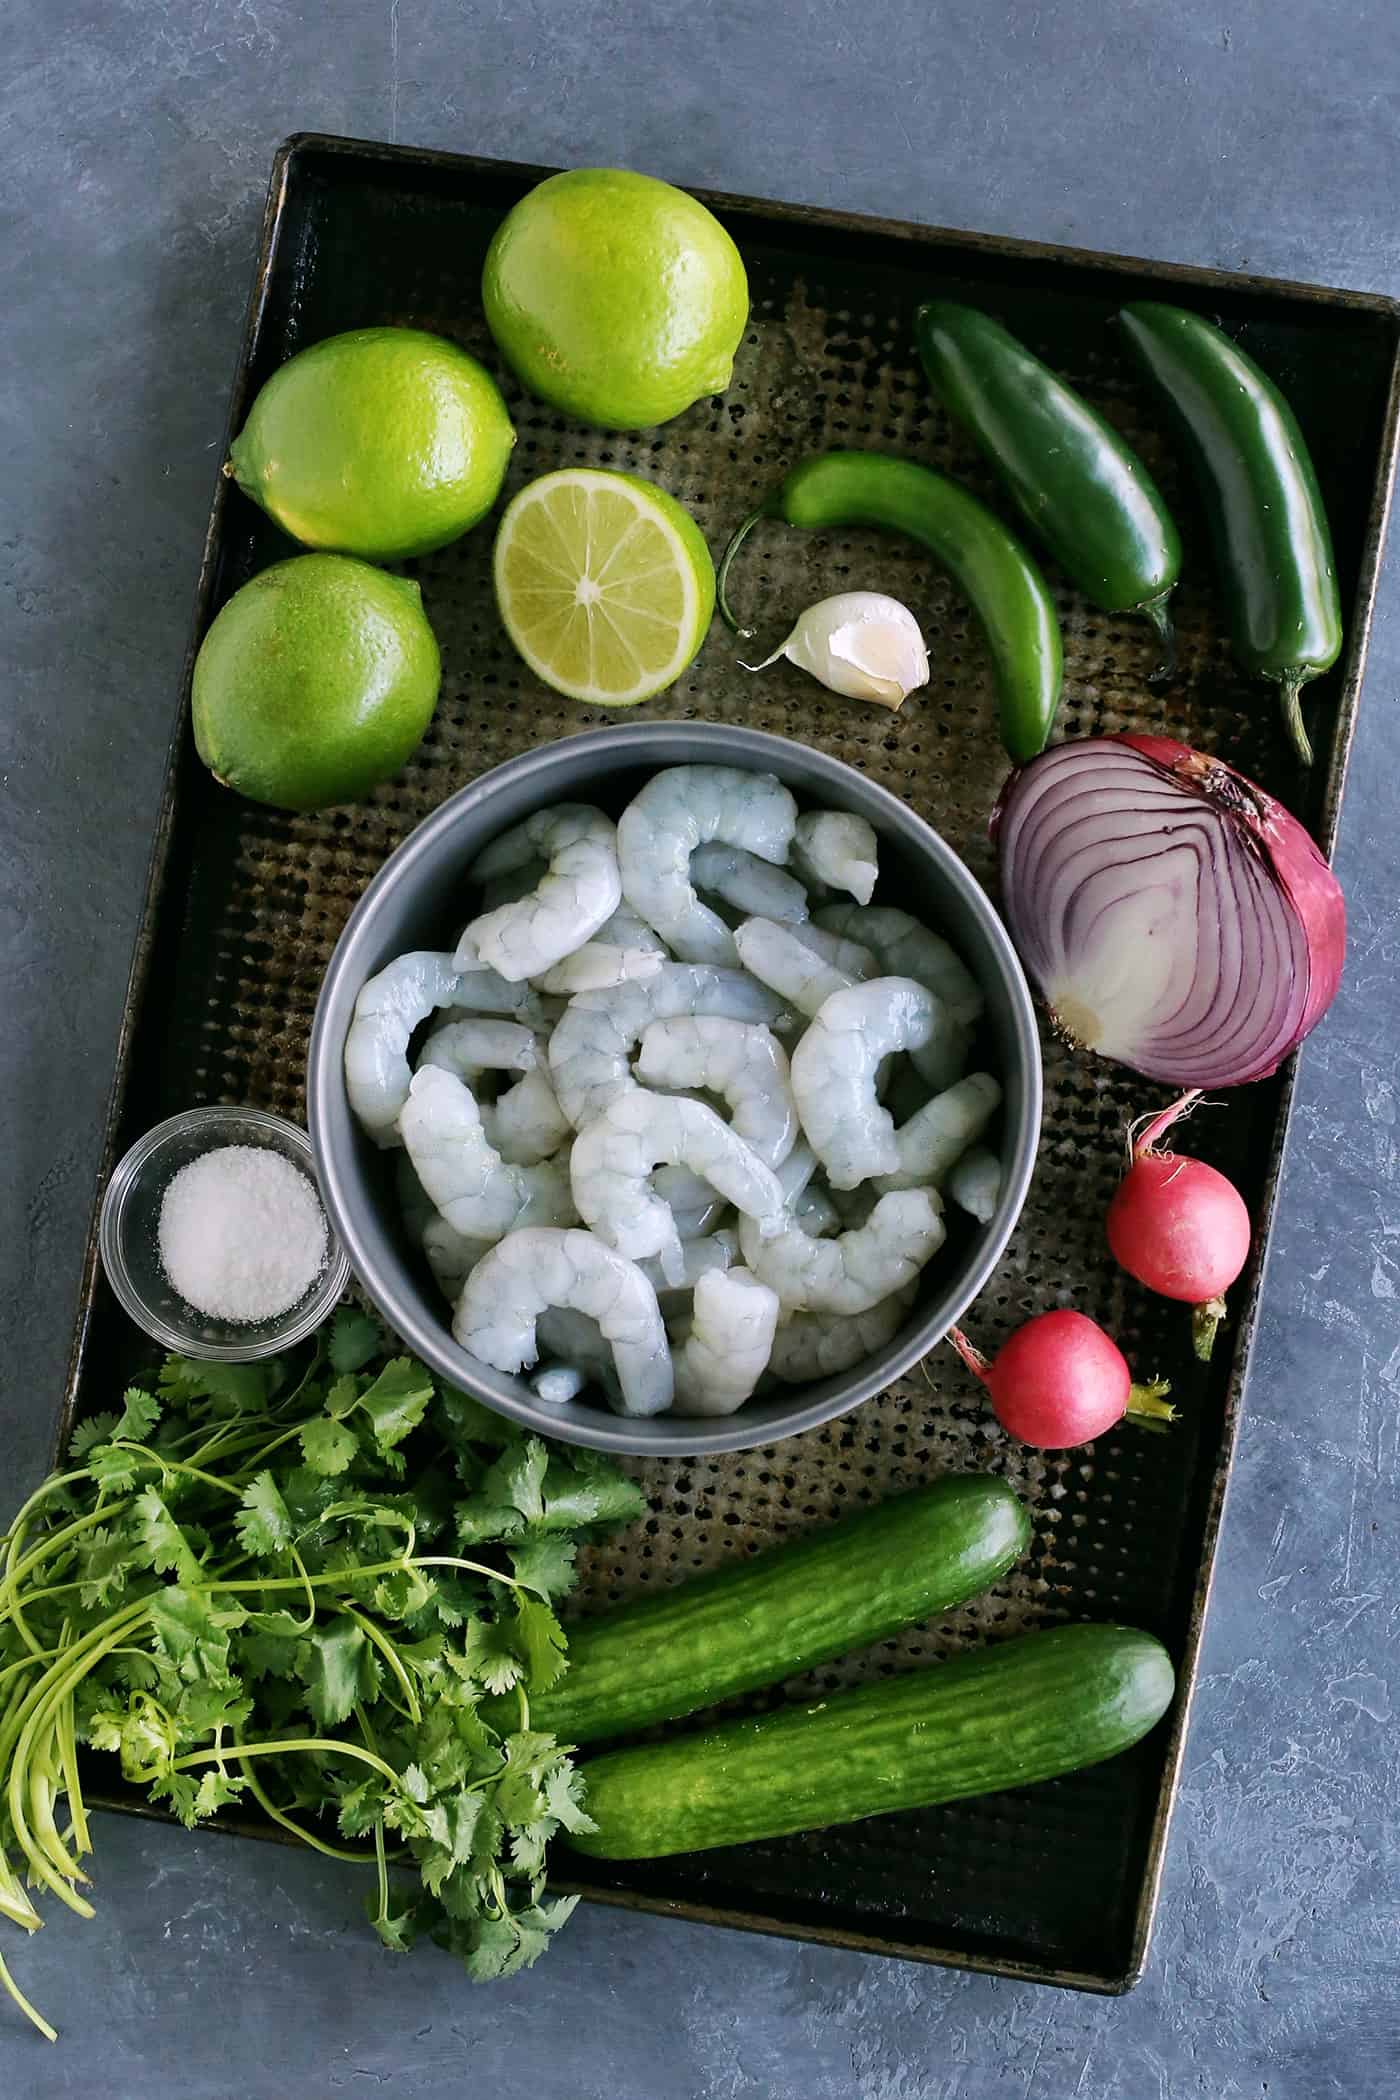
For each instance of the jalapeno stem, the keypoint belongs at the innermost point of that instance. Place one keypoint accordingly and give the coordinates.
(745, 634)
(1290, 687)
(1158, 612)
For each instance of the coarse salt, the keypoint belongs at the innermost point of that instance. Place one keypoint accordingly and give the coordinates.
(242, 1233)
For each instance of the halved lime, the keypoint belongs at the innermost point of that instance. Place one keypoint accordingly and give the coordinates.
(604, 583)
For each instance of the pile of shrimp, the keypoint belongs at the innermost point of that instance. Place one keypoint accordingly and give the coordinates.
(677, 1116)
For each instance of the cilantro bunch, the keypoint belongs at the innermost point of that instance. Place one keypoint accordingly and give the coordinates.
(290, 1587)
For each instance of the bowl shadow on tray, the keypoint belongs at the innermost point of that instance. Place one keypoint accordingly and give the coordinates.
(420, 898)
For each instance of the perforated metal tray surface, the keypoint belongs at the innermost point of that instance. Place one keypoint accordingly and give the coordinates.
(245, 904)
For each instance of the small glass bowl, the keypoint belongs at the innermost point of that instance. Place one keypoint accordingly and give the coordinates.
(129, 1237)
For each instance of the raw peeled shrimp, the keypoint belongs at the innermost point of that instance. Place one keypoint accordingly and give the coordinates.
(854, 1272)
(699, 1257)
(627, 929)
(475, 1045)
(745, 1065)
(975, 1183)
(389, 1007)
(834, 1070)
(525, 1123)
(487, 992)
(557, 1384)
(686, 807)
(783, 958)
(692, 1202)
(580, 892)
(935, 1138)
(478, 1194)
(746, 883)
(727, 1344)
(906, 948)
(819, 1345)
(615, 1153)
(832, 848)
(590, 1049)
(597, 966)
(536, 1268)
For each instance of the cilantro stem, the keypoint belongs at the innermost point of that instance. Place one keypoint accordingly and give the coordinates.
(30, 2012)
(41, 1493)
(298, 1830)
(9, 1588)
(391, 1655)
(378, 1567)
(324, 1744)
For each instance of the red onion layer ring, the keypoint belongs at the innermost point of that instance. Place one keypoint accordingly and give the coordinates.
(1172, 916)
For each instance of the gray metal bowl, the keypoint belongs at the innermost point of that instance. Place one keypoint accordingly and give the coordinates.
(415, 901)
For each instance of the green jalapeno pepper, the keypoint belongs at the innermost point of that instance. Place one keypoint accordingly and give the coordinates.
(986, 561)
(1261, 498)
(1078, 486)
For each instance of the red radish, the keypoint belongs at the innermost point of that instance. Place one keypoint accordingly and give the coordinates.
(1059, 1381)
(1179, 1226)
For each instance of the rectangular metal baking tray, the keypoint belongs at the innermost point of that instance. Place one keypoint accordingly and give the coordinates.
(243, 906)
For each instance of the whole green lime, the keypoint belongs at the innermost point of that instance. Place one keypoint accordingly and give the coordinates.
(384, 443)
(315, 682)
(615, 297)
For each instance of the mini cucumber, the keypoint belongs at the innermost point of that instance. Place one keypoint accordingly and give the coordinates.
(785, 1611)
(1002, 1717)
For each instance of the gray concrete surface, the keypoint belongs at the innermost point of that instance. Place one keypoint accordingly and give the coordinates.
(136, 140)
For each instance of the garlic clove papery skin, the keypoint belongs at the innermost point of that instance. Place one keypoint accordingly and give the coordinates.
(860, 644)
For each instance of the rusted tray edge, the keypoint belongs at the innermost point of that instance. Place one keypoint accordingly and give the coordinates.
(169, 807)
(1360, 628)
(862, 225)
(1343, 731)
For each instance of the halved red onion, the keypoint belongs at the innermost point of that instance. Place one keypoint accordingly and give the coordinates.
(1172, 915)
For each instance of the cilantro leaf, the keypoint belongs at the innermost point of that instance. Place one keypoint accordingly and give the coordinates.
(546, 1564)
(269, 1645)
(104, 1557)
(471, 1423)
(397, 1401)
(354, 1339)
(192, 1632)
(488, 1654)
(337, 1667)
(139, 1416)
(343, 1397)
(181, 1790)
(517, 1479)
(481, 1520)
(162, 1541)
(398, 1929)
(218, 1790)
(97, 1429)
(586, 1489)
(235, 1389)
(565, 1791)
(539, 1638)
(263, 1523)
(327, 1446)
(114, 1471)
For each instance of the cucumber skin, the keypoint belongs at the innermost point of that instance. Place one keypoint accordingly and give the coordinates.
(786, 1610)
(1003, 1717)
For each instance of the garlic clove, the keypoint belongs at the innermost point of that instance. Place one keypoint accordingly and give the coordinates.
(860, 644)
